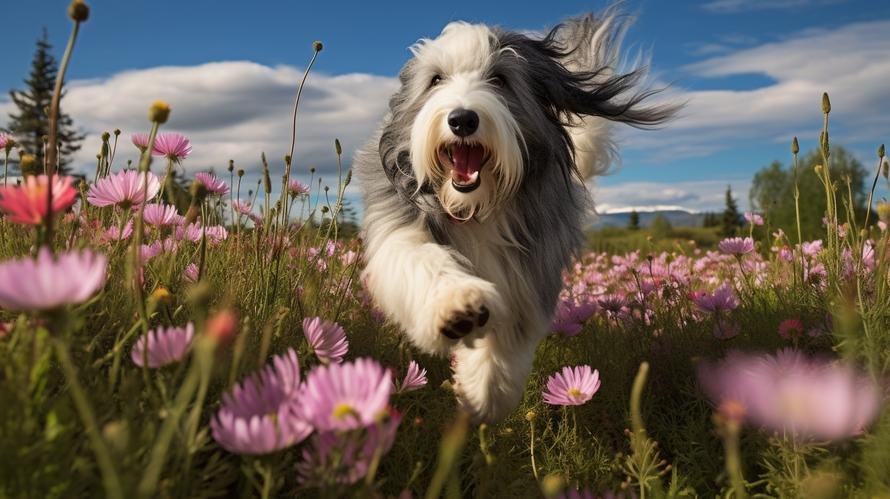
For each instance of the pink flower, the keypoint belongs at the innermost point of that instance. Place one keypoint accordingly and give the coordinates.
(26, 203)
(260, 415)
(297, 188)
(5, 139)
(811, 248)
(327, 339)
(47, 282)
(115, 233)
(736, 245)
(124, 189)
(791, 328)
(161, 214)
(140, 140)
(754, 218)
(569, 317)
(162, 346)
(212, 183)
(723, 299)
(792, 394)
(346, 396)
(194, 233)
(149, 251)
(191, 273)
(572, 386)
(173, 146)
(415, 379)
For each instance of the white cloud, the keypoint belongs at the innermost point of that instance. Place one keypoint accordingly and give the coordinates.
(849, 63)
(694, 196)
(233, 110)
(734, 6)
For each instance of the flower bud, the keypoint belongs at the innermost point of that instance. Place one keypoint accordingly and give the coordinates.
(287, 159)
(159, 112)
(881, 151)
(117, 131)
(338, 147)
(531, 416)
(231, 165)
(28, 164)
(78, 11)
(162, 296)
(826, 104)
(106, 135)
(317, 46)
(795, 148)
(883, 210)
(553, 486)
(222, 326)
(240, 172)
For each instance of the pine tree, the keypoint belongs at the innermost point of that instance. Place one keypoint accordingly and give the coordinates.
(31, 123)
(633, 222)
(731, 216)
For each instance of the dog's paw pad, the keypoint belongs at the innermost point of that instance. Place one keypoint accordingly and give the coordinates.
(462, 323)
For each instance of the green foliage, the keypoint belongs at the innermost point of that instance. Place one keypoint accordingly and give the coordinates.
(772, 191)
(732, 219)
(30, 123)
(660, 227)
(633, 221)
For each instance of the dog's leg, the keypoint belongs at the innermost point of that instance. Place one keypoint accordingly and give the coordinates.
(490, 376)
(425, 287)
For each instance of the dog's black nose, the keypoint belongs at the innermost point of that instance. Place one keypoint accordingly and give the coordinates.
(463, 122)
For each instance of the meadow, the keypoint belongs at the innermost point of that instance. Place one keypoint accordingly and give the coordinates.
(215, 341)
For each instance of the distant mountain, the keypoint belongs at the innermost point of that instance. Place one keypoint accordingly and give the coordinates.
(677, 218)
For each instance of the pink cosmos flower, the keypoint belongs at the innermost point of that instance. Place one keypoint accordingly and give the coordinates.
(173, 146)
(26, 203)
(811, 248)
(346, 396)
(149, 251)
(212, 183)
(140, 140)
(736, 245)
(190, 273)
(297, 188)
(415, 379)
(343, 458)
(124, 189)
(792, 394)
(327, 339)
(46, 282)
(194, 232)
(791, 328)
(162, 346)
(5, 139)
(569, 317)
(160, 214)
(115, 233)
(723, 299)
(754, 218)
(260, 415)
(572, 386)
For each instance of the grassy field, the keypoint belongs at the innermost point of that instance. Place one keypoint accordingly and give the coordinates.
(150, 350)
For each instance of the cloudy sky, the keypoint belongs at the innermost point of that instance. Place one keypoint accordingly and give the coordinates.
(751, 72)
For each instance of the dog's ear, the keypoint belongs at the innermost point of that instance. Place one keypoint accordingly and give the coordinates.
(575, 67)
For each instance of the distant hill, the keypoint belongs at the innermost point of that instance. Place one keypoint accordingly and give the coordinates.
(677, 218)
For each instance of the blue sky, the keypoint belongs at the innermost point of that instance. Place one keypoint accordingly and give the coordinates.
(752, 72)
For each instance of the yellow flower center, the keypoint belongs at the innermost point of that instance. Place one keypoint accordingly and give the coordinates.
(575, 393)
(342, 410)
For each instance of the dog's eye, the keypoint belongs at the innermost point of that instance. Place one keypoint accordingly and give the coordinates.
(498, 81)
(435, 80)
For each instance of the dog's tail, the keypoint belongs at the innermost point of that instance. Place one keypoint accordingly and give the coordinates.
(593, 44)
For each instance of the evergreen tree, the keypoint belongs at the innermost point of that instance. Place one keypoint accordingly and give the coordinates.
(633, 222)
(31, 123)
(661, 227)
(732, 219)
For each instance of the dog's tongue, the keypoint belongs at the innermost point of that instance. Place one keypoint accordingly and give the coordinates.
(467, 160)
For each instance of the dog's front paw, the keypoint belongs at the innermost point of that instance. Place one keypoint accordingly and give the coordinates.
(464, 306)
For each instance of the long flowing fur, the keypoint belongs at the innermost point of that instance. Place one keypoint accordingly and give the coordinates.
(544, 106)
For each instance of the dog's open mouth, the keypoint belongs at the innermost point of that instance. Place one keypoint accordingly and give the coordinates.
(465, 161)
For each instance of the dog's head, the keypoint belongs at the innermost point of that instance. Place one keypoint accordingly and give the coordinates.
(480, 109)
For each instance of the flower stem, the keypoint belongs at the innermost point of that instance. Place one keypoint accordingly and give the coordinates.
(110, 479)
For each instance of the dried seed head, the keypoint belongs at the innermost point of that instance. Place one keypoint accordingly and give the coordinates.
(240, 172)
(317, 46)
(337, 147)
(795, 148)
(159, 112)
(826, 103)
(881, 151)
(287, 159)
(818, 169)
(117, 131)
(348, 178)
(231, 165)
(106, 136)
(78, 11)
